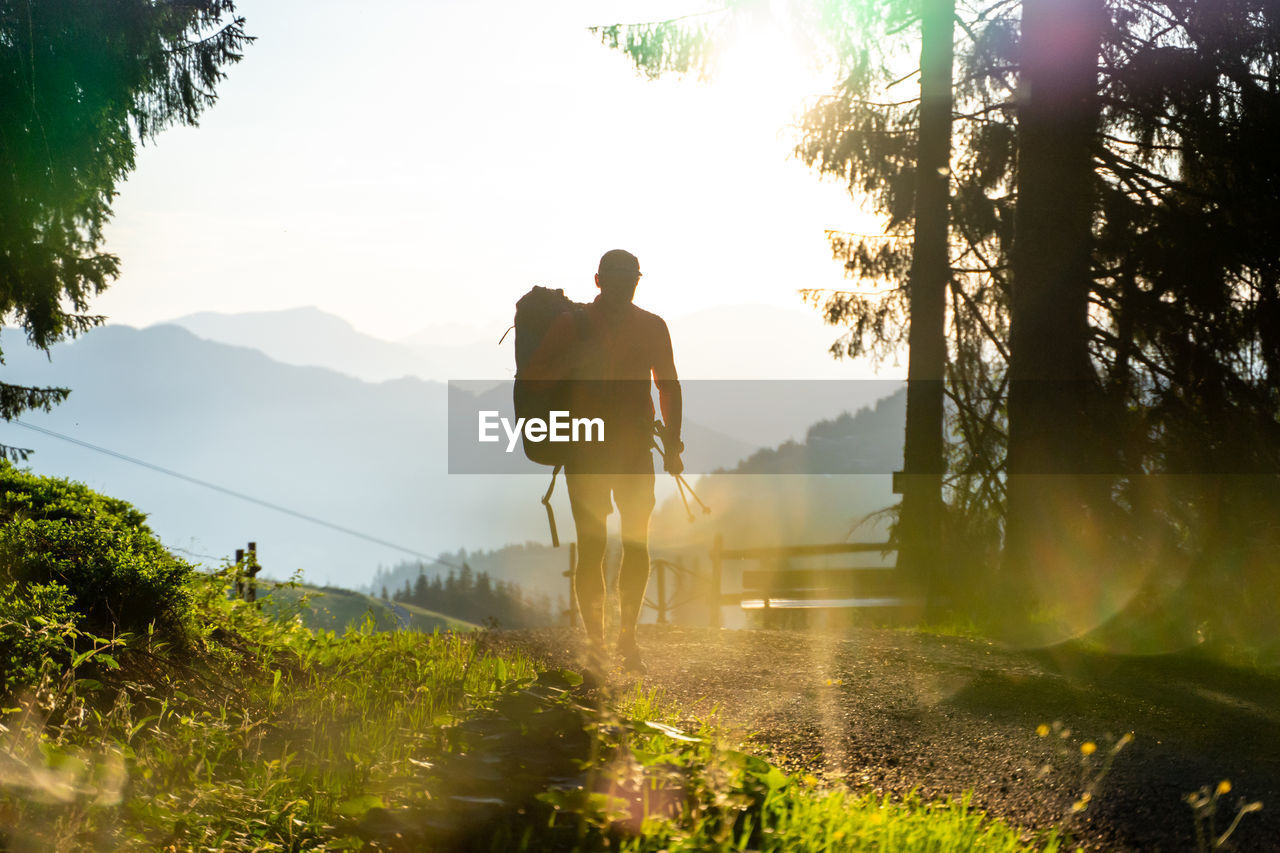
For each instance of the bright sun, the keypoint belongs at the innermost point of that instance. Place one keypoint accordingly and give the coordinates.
(767, 71)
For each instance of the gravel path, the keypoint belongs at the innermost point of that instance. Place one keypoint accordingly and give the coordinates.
(889, 711)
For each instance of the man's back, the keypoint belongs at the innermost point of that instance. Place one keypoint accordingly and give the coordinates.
(626, 343)
(619, 341)
(609, 358)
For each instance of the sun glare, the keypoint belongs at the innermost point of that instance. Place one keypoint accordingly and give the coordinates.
(767, 73)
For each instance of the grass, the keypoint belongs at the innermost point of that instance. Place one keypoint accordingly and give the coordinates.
(142, 708)
(333, 609)
(268, 737)
(276, 737)
(742, 802)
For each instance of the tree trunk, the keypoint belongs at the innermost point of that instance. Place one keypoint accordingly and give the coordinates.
(1050, 371)
(920, 523)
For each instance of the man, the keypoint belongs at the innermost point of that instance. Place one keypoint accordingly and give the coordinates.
(610, 351)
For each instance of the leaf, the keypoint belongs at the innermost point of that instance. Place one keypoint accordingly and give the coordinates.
(775, 779)
(520, 706)
(357, 806)
(645, 727)
(563, 679)
(138, 726)
(648, 759)
(753, 764)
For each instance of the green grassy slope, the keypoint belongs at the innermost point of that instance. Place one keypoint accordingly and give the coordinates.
(144, 707)
(335, 609)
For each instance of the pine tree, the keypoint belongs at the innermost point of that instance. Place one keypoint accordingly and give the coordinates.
(1145, 282)
(82, 83)
(1051, 377)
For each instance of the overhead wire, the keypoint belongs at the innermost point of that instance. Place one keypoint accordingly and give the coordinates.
(194, 553)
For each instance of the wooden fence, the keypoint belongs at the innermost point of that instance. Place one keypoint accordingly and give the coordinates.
(774, 583)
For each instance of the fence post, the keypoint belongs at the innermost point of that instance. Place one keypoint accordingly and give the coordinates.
(662, 592)
(239, 573)
(717, 564)
(571, 617)
(252, 571)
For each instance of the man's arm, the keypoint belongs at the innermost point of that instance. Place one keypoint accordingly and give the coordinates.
(670, 400)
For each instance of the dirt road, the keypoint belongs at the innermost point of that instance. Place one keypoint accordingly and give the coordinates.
(888, 711)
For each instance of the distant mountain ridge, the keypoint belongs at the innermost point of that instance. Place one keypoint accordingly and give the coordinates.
(367, 457)
(867, 442)
(727, 342)
(370, 457)
(312, 337)
(730, 344)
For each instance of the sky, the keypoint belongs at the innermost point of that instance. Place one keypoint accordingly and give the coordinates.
(407, 164)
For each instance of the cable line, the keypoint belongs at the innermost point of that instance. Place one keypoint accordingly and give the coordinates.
(241, 495)
(194, 553)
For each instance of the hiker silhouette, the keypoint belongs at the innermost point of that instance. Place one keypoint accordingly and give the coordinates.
(611, 350)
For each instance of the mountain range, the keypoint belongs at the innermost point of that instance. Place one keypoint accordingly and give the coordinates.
(365, 457)
(311, 337)
(721, 348)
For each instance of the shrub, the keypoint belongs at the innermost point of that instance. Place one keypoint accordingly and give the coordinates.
(26, 495)
(98, 549)
(34, 626)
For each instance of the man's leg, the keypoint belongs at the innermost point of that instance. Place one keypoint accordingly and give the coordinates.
(634, 494)
(590, 505)
(633, 577)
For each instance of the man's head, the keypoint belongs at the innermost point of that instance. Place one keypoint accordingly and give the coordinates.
(618, 275)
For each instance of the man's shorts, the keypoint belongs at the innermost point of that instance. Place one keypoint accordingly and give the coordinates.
(592, 495)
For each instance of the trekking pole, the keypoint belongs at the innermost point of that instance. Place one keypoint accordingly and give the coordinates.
(681, 483)
(685, 501)
(551, 515)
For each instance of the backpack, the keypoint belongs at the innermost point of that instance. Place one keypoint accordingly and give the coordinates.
(536, 311)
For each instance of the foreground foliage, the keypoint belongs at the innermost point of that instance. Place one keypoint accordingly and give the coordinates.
(82, 84)
(144, 706)
(273, 737)
(73, 564)
(279, 738)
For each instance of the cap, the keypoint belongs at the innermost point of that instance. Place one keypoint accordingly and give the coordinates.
(619, 261)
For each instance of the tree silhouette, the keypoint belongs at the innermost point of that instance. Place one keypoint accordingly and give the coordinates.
(474, 597)
(919, 198)
(82, 84)
(920, 530)
(1049, 366)
(1111, 159)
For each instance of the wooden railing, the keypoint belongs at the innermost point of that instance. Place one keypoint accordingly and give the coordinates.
(776, 585)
